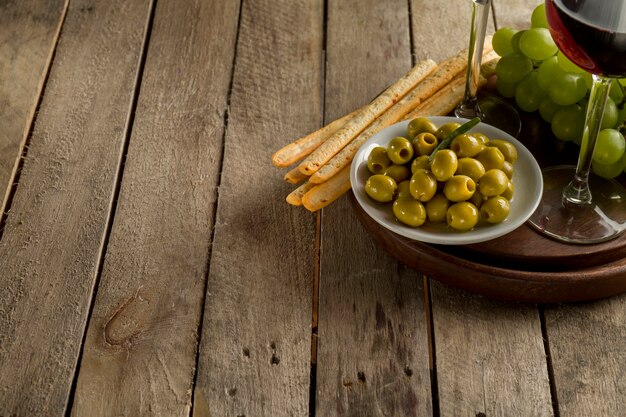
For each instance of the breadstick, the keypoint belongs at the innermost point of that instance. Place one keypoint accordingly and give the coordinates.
(295, 197)
(445, 100)
(488, 68)
(445, 72)
(325, 193)
(302, 147)
(294, 176)
(361, 120)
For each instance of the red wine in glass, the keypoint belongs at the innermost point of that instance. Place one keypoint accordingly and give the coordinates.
(577, 206)
(591, 33)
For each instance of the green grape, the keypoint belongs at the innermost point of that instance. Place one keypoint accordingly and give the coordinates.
(622, 81)
(588, 79)
(501, 41)
(513, 67)
(547, 71)
(528, 94)
(548, 108)
(505, 89)
(609, 147)
(567, 65)
(515, 41)
(538, 44)
(567, 89)
(538, 19)
(616, 91)
(568, 122)
(610, 115)
(610, 170)
(621, 115)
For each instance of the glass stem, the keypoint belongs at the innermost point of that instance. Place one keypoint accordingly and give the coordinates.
(577, 192)
(480, 14)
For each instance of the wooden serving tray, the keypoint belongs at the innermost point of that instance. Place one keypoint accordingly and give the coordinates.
(523, 265)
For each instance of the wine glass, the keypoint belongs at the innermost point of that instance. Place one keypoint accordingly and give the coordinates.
(489, 108)
(578, 206)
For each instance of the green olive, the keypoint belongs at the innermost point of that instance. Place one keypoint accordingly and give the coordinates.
(403, 189)
(482, 137)
(424, 143)
(446, 129)
(381, 188)
(420, 125)
(400, 150)
(493, 183)
(470, 167)
(507, 167)
(437, 207)
(378, 160)
(507, 148)
(508, 193)
(409, 211)
(444, 164)
(398, 172)
(477, 199)
(491, 158)
(466, 145)
(459, 188)
(421, 162)
(462, 216)
(423, 185)
(495, 209)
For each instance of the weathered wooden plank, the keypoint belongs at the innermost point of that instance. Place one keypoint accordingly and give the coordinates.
(255, 346)
(440, 29)
(586, 343)
(514, 13)
(29, 30)
(52, 242)
(490, 358)
(139, 356)
(373, 345)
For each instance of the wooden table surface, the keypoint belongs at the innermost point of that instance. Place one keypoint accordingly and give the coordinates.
(150, 266)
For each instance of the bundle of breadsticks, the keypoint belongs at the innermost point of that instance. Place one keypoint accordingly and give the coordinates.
(321, 160)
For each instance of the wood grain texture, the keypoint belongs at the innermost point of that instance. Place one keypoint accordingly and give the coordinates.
(52, 241)
(490, 356)
(373, 348)
(255, 348)
(514, 13)
(139, 356)
(28, 33)
(441, 28)
(588, 358)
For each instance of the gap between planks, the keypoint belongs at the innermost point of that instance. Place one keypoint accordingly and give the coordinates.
(546, 347)
(432, 356)
(115, 196)
(193, 410)
(318, 237)
(314, 315)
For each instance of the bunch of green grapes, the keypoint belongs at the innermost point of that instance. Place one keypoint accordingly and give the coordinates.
(540, 78)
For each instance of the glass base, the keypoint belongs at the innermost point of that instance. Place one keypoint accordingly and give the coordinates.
(601, 220)
(494, 111)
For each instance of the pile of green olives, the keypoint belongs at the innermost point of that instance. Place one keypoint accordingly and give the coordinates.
(467, 183)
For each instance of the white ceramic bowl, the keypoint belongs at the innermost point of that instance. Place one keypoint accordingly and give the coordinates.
(527, 180)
